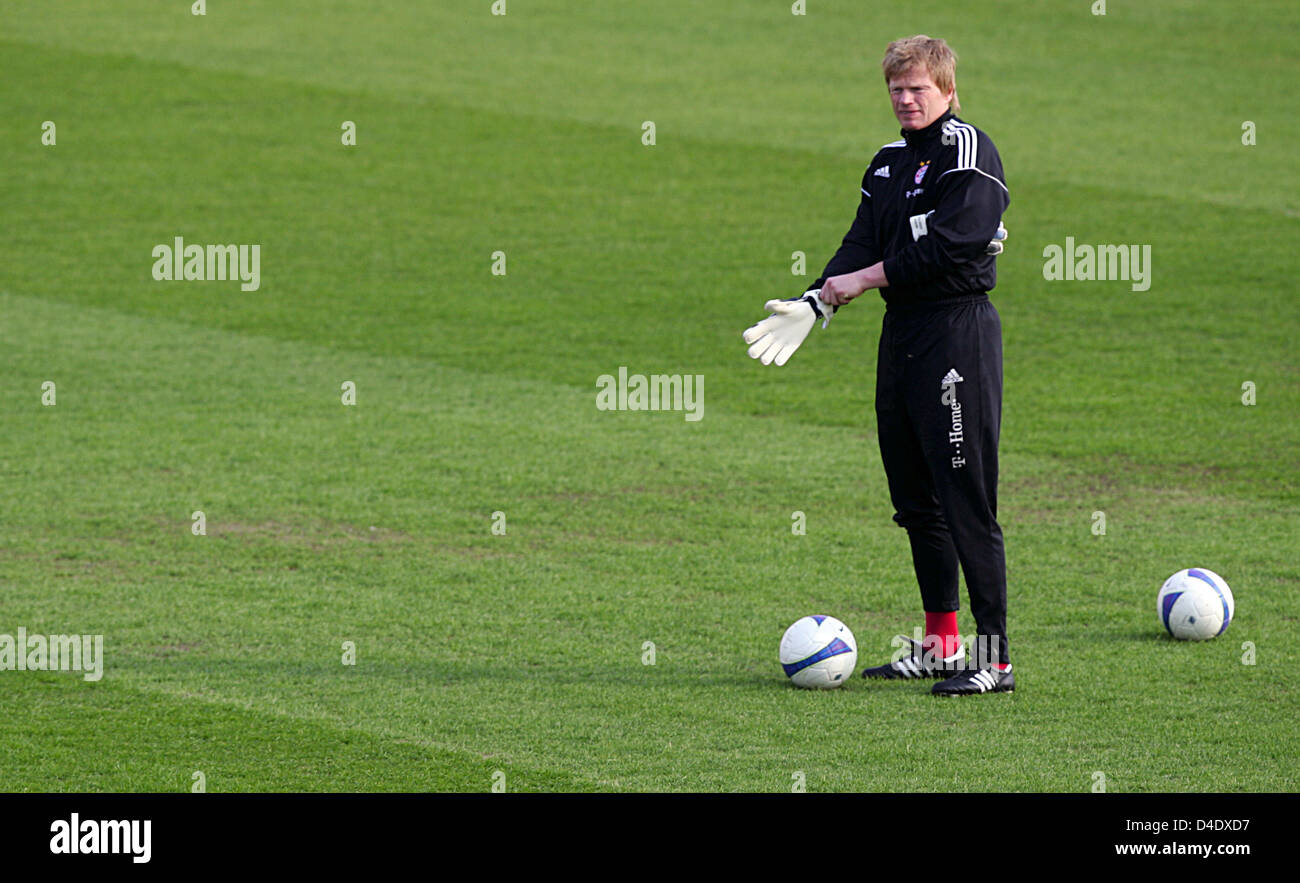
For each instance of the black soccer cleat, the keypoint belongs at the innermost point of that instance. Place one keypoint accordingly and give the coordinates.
(976, 680)
(920, 664)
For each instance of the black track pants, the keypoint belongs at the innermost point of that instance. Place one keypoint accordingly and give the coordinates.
(938, 413)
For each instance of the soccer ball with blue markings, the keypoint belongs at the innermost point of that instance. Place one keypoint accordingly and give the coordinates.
(1195, 604)
(818, 652)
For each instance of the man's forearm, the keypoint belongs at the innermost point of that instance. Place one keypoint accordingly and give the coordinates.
(874, 276)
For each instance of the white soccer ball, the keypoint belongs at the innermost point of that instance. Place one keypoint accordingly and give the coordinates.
(1195, 604)
(818, 652)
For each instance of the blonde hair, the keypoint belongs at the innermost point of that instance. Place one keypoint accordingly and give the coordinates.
(933, 54)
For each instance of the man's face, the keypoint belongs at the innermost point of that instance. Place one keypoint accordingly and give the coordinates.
(917, 100)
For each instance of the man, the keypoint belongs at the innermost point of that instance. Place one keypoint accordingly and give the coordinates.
(927, 230)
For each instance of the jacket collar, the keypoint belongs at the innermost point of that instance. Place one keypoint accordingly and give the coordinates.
(930, 132)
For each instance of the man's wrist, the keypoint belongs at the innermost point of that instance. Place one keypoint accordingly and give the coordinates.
(823, 310)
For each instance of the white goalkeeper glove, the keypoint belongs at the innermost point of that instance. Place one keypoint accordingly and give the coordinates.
(776, 338)
(995, 246)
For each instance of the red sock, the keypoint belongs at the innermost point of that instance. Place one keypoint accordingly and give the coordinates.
(1002, 666)
(941, 628)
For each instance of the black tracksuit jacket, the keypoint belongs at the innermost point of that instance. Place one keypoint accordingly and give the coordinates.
(952, 169)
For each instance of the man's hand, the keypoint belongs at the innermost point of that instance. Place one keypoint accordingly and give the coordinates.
(839, 290)
(776, 338)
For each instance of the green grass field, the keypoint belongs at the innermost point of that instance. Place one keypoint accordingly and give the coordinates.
(475, 393)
